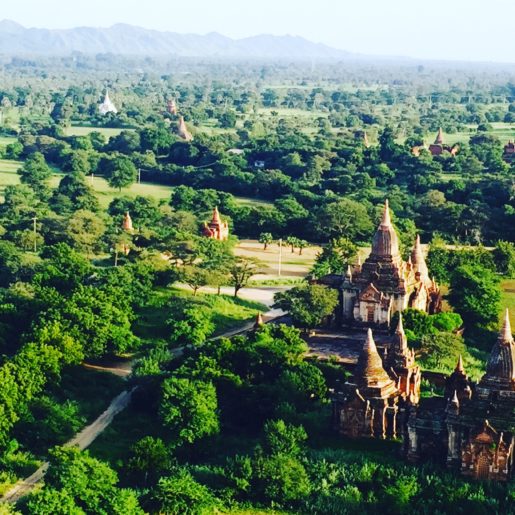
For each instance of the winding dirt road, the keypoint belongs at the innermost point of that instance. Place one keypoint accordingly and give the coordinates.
(81, 440)
(119, 403)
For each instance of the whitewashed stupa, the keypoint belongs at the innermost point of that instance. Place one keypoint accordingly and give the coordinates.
(107, 105)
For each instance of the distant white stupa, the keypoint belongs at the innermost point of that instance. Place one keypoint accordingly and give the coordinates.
(107, 105)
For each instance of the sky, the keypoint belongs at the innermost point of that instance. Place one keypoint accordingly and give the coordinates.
(471, 30)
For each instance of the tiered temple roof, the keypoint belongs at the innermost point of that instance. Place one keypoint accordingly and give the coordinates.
(369, 375)
(500, 370)
(216, 229)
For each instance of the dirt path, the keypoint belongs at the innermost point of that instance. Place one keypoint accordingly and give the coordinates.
(81, 440)
(119, 403)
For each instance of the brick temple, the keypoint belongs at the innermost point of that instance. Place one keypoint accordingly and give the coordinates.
(370, 293)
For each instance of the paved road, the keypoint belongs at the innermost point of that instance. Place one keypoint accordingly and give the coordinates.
(82, 440)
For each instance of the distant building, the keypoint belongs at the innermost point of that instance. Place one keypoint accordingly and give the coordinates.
(259, 164)
(439, 147)
(182, 130)
(171, 107)
(471, 428)
(127, 223)
(509, 152)
(107, 105)
(236, 151)
(216, 229)
(370, 293)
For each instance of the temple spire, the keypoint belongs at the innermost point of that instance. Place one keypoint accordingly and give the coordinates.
(500, 370)
(506, 335)
(459, 366)
(386, 220)
(439, 137)
(386, 242)
(400, 327)
(369, 371)
(419, 261)
(127, 222)
(400, 340)
(216, 215)
(259, 321)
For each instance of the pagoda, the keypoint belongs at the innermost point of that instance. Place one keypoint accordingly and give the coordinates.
(370, 293)
(182, 130)
(471, 428)
(107, 105)
(509, 152)
(171, 107)
(216, 229)
(127, 223)
(439, 147)
(372, 404)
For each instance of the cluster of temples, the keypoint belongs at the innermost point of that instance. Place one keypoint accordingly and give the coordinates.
(370, 293)
(470, 429)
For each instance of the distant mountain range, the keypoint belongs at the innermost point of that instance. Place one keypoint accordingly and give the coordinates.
(130, 40)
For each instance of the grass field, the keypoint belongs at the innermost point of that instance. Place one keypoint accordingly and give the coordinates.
(504, 131)
(508, 299)
(84, 131)
(225, 311)
(6, 140)
(105, 194)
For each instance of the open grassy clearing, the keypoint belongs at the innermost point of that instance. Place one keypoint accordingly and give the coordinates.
(508, 299)
(108, 132)
(6, 140)
(504, 131)
(105, 194)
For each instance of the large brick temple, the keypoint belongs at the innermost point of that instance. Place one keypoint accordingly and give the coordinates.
(370, 293)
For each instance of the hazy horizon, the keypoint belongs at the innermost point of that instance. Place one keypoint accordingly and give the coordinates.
(443, 30)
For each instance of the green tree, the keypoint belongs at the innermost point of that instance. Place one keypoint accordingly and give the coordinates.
(308, 305)
(343, 217)
(189, 409)
(266, 239)
(282, 438)
(241, 271)
(504, 258)
(281, 479)
(85, 230)
(189, 322)
(180, 494)
(475, 294)
(149, 460)
(35, 172)
(121, 172)
(334, 257)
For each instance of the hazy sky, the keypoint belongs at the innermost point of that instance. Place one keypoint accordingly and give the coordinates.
(443, 29)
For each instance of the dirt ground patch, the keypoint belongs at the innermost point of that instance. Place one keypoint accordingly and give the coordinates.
(293, 265)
